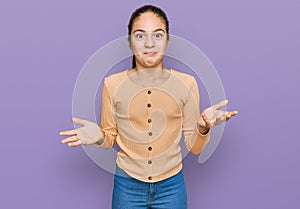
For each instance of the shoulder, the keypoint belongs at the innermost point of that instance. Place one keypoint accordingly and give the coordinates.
(115, 79)
(185, 77)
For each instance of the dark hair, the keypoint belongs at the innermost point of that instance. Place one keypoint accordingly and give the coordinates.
(147, 8)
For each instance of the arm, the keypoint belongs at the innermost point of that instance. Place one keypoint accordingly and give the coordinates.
(107, 119)
(195, 137)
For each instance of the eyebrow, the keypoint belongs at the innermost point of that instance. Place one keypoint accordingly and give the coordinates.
(140, 30)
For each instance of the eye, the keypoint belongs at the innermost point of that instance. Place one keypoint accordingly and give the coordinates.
(140, 36)
(158, 35)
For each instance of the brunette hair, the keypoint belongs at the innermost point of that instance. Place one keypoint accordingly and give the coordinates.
(147, 8)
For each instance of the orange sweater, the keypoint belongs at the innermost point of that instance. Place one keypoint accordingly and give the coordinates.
(147, 123)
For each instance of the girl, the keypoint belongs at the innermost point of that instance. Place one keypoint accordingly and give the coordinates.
(144, 111)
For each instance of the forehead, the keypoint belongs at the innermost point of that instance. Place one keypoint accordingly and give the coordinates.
(148, 21)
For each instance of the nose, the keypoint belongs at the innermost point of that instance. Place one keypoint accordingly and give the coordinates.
(149, 42)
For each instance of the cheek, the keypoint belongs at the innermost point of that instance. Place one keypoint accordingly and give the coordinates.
(161, 46)
(137, 47)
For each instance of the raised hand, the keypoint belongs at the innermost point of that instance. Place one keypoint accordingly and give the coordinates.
(88, 134)
(213, 116)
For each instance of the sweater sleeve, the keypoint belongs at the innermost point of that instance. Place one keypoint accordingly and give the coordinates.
(107, 119)
(194, 141)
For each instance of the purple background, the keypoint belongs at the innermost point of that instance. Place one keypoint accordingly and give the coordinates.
(254, 46)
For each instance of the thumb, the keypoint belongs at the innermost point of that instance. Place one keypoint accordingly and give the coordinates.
(78, 121)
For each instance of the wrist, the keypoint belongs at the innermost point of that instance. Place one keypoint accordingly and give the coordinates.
(99, 142)
(100, 138)
(203, 130)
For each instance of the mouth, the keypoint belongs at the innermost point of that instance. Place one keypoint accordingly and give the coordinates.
(150, 53)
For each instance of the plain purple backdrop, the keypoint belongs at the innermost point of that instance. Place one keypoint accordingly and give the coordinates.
(255, 48)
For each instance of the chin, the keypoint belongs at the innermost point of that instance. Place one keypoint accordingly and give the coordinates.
(152, 64)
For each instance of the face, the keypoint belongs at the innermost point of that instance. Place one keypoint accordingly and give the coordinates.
(148, 39)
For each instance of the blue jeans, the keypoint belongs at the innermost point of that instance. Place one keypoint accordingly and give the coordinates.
(130, 193)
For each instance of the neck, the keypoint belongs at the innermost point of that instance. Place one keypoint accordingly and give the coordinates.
(150, 73)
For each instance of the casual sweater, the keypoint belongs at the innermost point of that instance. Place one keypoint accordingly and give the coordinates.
(147, 123)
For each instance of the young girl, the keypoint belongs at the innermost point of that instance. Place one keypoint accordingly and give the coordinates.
(144, 111)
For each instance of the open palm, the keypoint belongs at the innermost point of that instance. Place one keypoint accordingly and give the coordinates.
(89, 133)
(213, 116)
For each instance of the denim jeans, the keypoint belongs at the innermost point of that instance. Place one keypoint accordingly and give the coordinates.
(130, 193)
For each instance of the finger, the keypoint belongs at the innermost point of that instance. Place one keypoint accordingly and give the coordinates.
(230, 114)
(234, 113)
(227, 117)
(221, 104)
(74, 144)
(78, 121)
(206, 120)
(67, 133)
(70, 139)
